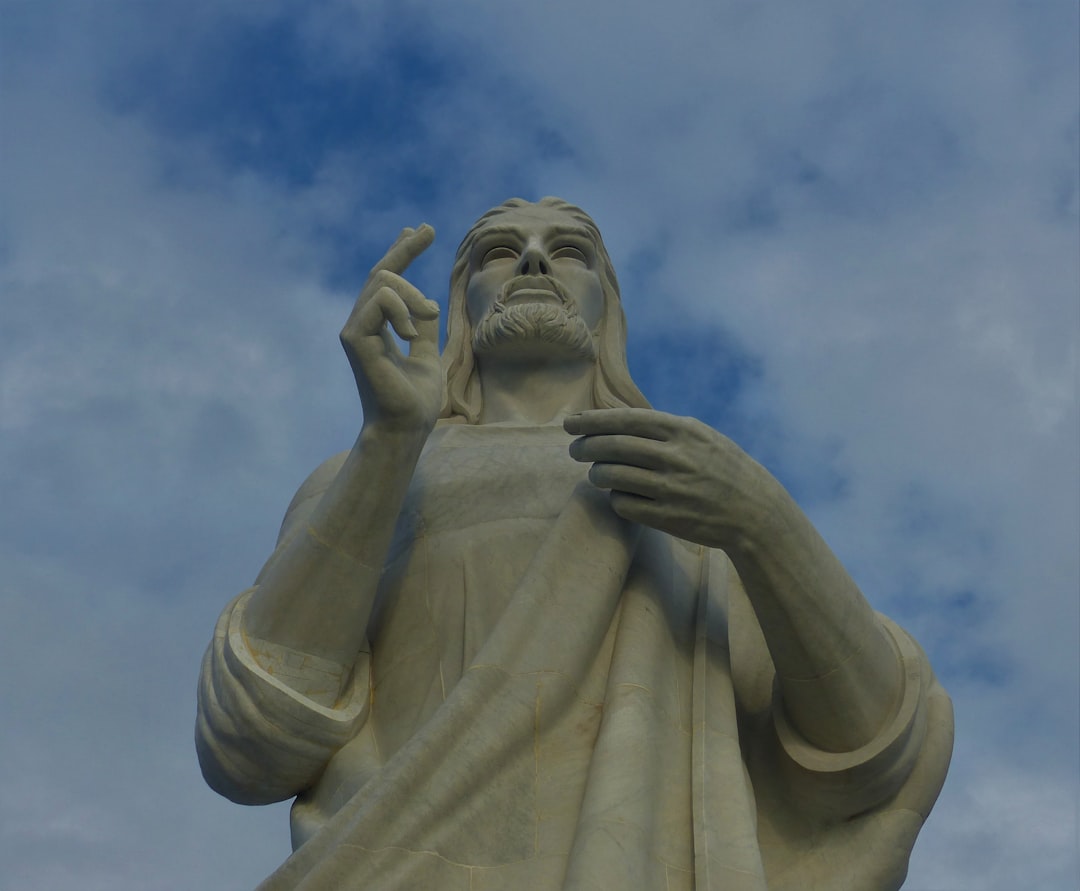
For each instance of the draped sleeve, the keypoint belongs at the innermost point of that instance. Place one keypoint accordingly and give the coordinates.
(261, 734)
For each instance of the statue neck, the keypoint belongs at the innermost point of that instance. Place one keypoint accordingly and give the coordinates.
(534, 393)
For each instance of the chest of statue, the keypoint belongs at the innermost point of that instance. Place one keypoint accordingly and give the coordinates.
(476, 475)
(481, 502)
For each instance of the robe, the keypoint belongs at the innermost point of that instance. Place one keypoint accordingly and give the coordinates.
(554, 698)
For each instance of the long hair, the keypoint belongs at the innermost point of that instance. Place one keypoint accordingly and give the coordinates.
(612, 386)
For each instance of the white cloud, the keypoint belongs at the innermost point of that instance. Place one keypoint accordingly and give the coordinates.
(992, 801)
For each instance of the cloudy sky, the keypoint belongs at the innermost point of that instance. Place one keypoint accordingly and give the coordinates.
(847, 236)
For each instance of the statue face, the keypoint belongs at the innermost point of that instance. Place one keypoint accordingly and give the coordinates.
(534, 257)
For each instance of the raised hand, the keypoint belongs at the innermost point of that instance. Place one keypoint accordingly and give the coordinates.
(675, 474)
(402, 393)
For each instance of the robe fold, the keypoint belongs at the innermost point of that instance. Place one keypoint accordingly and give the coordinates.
(555, 698)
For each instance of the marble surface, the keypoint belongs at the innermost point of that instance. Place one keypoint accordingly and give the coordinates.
(529, 632)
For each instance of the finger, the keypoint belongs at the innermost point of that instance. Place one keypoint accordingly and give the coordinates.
(419, 306)
(642, 422)
(416, 304)
(620, 477)
(426, 343)
(410, 244)
(389, 346)
(619, 449)
(370, 348)
(384, 306)
(632, 507)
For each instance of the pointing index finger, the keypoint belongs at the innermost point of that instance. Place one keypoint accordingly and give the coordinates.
(410, 244)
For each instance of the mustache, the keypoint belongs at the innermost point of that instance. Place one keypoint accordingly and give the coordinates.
(532, 283)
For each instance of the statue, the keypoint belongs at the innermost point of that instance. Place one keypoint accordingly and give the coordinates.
(529, 633)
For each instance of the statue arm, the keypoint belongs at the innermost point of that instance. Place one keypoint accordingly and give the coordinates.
(839, 674)
(284, 682)
(315, 594)
(259, 738)
(838, 670)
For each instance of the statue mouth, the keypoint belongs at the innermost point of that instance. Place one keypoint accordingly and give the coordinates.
(533, 295)
(533, 289)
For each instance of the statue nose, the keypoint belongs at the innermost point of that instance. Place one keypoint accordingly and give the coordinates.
(533, 262)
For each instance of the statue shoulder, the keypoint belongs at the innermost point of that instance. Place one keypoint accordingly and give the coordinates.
(309, 493)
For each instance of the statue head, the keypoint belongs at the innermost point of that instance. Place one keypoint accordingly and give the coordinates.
(603, 341)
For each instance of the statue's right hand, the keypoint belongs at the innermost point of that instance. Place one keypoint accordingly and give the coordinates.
(398, 392)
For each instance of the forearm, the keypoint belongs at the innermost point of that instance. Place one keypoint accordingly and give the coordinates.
(838, 672)
(315, 595)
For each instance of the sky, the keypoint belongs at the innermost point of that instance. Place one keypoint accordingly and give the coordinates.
(847, 237)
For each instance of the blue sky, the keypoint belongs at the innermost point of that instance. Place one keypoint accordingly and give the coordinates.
(846, 235)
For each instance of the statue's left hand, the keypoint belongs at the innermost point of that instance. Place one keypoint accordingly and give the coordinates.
(675, 474)
(839, 675)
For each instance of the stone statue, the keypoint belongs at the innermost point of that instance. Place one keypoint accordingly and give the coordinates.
(529, 633)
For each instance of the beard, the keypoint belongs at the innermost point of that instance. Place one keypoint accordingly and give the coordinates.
(522, 324)
(527, 323)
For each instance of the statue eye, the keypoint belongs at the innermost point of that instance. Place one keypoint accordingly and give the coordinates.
(499, 252)
(570, 252)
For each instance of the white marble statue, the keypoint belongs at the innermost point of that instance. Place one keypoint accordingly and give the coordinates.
(530, 634)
